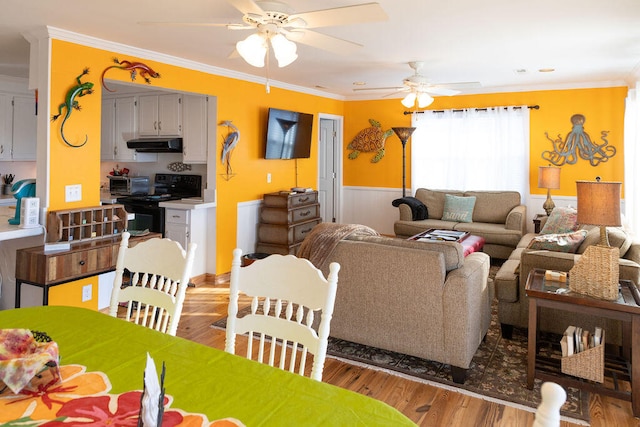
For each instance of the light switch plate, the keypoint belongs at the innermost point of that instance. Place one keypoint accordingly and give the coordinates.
(73, 193)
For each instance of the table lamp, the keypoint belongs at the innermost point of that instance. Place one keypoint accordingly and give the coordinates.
(403, 134)
(549, 178)
(596, 273)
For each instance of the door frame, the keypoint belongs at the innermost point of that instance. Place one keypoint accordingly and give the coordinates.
(337, 157)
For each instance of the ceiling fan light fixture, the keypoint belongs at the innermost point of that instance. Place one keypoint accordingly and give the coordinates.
(424, 100)
(284, 50)
(409, 100)
(253, 49)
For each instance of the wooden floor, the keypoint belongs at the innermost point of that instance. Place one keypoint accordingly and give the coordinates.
(424, 404)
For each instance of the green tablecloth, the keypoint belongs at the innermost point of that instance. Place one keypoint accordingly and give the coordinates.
(201, 379)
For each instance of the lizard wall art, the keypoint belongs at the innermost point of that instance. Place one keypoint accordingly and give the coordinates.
(70, 103)
(134, 68)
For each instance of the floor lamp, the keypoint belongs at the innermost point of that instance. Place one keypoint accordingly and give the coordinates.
(404, 134)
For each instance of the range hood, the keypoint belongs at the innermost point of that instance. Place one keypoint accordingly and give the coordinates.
(156, 145)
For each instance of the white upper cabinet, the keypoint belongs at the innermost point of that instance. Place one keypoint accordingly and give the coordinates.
(18, 127)
(24, 128)
(160, 115)
(6, 113)
(194, 142)
(119, 116)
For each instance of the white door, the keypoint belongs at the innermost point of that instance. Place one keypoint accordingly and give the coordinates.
(327, 169)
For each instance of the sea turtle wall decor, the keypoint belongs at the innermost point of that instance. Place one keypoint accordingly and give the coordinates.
(368, 140)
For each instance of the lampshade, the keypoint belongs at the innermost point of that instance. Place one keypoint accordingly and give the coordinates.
(403, 133)
(424, 100)
(599, 203)
(549, 177)
(285, 50)
(409, 100)
(253, 49)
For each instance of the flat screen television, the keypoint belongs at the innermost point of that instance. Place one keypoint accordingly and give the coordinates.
(288, 134)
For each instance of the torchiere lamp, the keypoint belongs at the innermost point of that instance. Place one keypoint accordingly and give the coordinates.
(596, 273)
(549, 178)
(403, 134)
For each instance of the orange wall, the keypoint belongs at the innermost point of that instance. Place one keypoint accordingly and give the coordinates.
(244, 103)
(603, 109)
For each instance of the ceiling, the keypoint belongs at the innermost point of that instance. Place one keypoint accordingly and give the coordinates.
(502, 44)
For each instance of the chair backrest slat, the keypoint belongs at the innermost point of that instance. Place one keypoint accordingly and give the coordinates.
(151, 280)
(286, 295)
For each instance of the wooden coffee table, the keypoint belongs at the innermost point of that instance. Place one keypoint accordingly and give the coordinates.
(625, 309)
(469, 242)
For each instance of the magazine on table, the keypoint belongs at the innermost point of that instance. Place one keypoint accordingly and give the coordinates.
(444, 235)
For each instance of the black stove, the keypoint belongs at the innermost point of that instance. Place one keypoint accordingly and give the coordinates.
(166, 187)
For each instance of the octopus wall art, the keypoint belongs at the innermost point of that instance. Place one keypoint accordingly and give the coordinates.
(578, 145)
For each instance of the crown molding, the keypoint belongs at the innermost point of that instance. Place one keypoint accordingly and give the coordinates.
(90, 41)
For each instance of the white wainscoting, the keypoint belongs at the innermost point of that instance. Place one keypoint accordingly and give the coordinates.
(247, 226)
(370, 206)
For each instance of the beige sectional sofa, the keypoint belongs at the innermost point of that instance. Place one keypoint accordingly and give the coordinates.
(498, 216)
(423, 299)
(510, 282)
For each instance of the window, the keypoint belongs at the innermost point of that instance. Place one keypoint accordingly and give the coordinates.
(472, 149)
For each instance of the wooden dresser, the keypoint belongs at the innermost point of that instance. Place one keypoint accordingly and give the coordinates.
(285, 220)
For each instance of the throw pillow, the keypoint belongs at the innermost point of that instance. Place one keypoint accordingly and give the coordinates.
(458, 209)
(565, 242)
(561, 220)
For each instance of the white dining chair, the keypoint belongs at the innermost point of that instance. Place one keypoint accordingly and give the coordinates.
(151, 281)
(552, 397)
(287, 294)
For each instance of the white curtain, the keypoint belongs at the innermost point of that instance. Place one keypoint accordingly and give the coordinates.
(472, 149)
(631, 159)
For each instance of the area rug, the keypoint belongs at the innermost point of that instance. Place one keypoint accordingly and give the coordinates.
(498, 370)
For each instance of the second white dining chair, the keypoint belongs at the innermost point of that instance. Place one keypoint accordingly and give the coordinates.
(155, 274)
(287, 294)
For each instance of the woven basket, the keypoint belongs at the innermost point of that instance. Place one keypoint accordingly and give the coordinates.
(596, 273)
(588, 364)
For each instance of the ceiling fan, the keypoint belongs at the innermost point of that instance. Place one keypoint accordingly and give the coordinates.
(420, 88)
(278, 24)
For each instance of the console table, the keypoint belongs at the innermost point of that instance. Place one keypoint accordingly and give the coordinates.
(625, 309)
(89, 258)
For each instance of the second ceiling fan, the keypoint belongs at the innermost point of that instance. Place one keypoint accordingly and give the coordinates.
(420, 89)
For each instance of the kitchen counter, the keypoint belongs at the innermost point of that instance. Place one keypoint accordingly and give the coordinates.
(8, 231)
(7, 200)
(191, 203)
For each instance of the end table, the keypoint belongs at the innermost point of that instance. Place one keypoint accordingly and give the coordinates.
(625, 309)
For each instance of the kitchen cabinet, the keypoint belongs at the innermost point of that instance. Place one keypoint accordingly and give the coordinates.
(160, 115)
(188, 226)
(119, 120)
(17, 127)
(194, 140)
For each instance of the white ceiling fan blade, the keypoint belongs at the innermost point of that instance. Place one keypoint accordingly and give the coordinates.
(197, 24)
(347, 15)
(324, 42)
(396, 88)
(246, 6)
(435, 90)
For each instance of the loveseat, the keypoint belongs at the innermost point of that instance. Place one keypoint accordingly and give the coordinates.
(497, 216)
(510, 282)
(424, 299)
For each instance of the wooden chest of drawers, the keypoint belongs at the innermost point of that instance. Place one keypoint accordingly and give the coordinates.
(285, 220)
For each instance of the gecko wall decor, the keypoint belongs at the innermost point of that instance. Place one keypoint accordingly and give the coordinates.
(578, 145)
(70, 103)
(134, 68)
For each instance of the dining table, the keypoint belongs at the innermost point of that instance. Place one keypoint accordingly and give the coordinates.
(101, 364)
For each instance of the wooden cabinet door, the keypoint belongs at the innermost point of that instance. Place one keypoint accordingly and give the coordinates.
(5, 127)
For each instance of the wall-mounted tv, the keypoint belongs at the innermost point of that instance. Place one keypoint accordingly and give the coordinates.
(288, 134)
